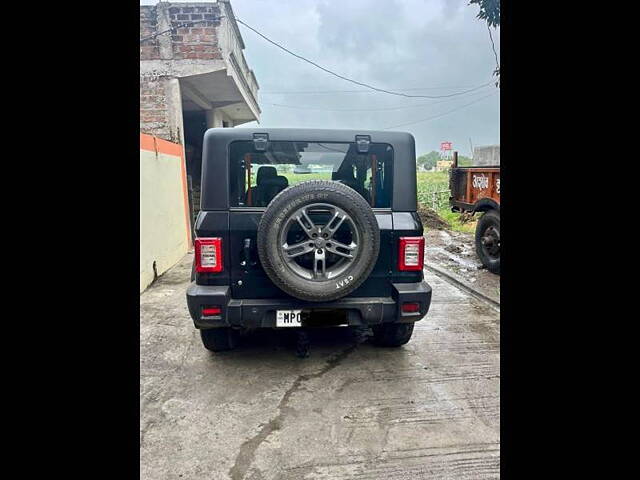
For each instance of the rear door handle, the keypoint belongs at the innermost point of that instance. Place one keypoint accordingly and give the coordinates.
(247, 253)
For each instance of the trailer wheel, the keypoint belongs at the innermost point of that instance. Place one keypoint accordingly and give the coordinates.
(488, 240)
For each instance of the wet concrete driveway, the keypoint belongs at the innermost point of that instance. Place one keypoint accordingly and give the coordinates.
(427, 410)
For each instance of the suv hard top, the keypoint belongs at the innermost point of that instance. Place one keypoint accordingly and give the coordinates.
(298, 223)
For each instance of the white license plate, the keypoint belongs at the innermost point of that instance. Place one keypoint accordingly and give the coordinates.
(288, 318)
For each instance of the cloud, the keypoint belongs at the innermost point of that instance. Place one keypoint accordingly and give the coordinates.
(392, 44)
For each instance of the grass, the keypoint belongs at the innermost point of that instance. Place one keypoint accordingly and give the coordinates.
(304, 177)
(453, 219)
(428, 182)
(433, 179)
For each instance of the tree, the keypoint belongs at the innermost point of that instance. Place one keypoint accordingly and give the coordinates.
(464, 161)
(490, 11)
(428, 160)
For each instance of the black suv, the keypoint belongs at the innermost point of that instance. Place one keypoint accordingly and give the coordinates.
(302, 227)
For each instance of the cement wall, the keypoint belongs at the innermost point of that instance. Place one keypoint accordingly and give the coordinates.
(488, 155)
(165, 235)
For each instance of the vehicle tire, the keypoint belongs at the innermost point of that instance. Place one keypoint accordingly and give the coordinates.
(392, 334)
(219, 339)
(318, 240)
(488, 240)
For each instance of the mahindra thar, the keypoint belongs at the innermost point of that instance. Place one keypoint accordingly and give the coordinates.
(304, 228)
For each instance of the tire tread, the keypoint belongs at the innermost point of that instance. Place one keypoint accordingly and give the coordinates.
(317, 186)
(488, 218)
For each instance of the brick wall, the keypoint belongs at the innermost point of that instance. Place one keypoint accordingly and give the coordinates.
(196, 42)
(154, 116)
(199, 41)
(148, 26)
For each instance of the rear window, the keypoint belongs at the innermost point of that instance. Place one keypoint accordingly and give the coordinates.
(257, 177)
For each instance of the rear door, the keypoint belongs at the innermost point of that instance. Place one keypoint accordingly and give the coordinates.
(249, 279)
(297, 162)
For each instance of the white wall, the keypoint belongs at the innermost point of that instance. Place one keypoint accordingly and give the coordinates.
(488, 155)
(164, 236)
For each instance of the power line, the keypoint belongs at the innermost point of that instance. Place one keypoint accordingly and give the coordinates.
(440, 114)
(320, 92)
(382, 109)
(400, 94)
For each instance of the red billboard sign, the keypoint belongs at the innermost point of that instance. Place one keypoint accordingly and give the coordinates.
(445, 145)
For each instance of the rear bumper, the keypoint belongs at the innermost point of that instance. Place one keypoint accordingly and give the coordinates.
(261, 313)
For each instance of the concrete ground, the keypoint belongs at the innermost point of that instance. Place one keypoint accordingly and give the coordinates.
(427, 410)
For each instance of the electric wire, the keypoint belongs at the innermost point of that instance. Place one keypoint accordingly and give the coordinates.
(381, 109)
(362, 84)
(440, 114)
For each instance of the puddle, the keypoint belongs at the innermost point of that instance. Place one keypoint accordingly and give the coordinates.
(463, 262)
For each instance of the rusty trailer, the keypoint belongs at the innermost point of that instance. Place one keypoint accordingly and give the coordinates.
(477, 189)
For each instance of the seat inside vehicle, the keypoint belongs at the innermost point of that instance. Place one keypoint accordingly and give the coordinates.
(268, 185)
(345, 176)
(257, 177)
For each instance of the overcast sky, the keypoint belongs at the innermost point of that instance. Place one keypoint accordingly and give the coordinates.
(436, 46)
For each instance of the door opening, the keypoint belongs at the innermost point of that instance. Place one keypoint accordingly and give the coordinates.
(195, 124)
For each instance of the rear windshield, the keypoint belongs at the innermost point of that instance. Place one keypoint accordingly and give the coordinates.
(257, 177)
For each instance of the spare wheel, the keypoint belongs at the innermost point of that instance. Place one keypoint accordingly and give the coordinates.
(318, 240)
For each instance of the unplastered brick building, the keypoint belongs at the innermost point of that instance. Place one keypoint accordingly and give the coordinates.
(193, 76)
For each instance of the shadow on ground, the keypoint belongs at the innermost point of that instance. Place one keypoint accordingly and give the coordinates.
(296, 342)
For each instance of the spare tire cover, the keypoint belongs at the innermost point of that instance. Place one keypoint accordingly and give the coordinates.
(318, 240)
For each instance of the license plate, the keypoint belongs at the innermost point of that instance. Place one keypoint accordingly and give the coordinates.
(288, 318)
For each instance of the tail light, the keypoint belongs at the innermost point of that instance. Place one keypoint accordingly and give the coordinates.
(208, 255)
(211, 310)
(411, 253)
(410, 307)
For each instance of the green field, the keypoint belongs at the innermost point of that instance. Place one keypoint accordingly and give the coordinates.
(304, 177)
(428, 183)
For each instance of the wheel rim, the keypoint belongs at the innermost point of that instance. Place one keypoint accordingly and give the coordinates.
(319, 242)
(491, 242)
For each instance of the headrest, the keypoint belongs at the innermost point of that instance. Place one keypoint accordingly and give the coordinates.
(278, 181)
(266, 172)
